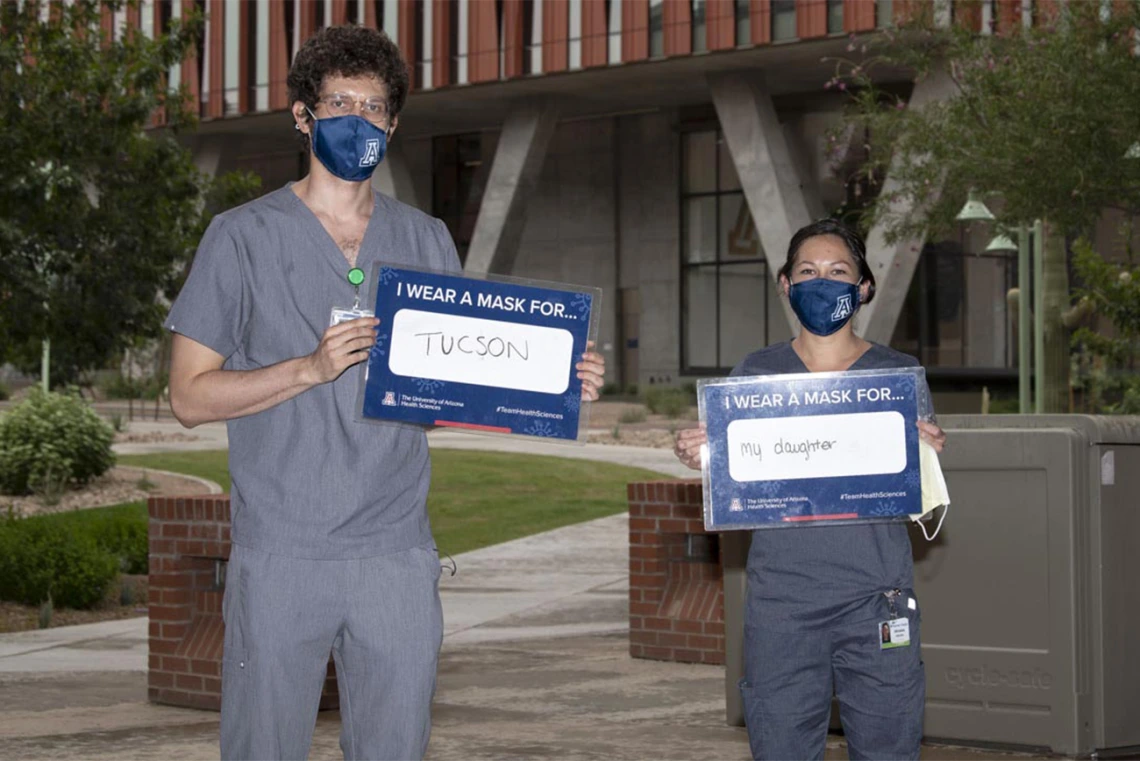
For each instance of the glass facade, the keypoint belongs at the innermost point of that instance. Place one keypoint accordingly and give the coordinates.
(956, 316)
(724, 276)
(458, 180)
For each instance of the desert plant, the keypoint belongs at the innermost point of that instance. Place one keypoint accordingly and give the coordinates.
(634, 415)
(671, 402)
(46, 610)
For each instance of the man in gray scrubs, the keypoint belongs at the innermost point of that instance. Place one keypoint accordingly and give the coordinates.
(332, 550)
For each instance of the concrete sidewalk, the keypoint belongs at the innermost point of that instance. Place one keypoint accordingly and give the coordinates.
(535, 661)
(535, 664)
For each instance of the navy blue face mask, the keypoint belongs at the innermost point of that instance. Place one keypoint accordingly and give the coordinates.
(349, 146)
(824, 306)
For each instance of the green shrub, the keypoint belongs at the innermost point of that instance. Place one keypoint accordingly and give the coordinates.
(44, 560)
(633, 415)
(670, 402)
(48, 435)
(124, 536)
(120, 530)
(5, 392)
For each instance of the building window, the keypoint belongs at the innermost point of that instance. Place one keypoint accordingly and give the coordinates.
(656, 28)
(743, 22)
(532, 33)
(724, 276)
(884, 13)
(956, 315)
(700, 37)
(452, 56)
(834, 16)
(458, 179)
(783, 19)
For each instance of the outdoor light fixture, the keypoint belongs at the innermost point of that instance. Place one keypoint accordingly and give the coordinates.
(974, 211)
(1000, 244)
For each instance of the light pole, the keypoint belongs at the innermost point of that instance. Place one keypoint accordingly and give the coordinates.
(1002, 243)
(1038, 317)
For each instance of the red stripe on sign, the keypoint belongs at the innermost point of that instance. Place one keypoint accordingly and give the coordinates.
(472, 426)
(839, 517)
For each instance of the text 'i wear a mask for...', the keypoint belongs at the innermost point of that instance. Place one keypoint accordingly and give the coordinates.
(824, 306)
(350, 147)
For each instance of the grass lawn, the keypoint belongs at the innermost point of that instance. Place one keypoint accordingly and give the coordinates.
(478, 498)
(211, 465)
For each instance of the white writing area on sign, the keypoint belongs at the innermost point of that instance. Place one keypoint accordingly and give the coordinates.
(458, 349)
(816, 446)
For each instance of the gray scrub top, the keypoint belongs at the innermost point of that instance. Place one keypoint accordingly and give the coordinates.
(309, 479)
(816, 577)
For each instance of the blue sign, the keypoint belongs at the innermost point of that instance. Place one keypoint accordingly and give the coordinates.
(790, 450)
(484, 355)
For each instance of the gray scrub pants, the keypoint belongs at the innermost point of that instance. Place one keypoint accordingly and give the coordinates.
(789, 678)
(380, 617)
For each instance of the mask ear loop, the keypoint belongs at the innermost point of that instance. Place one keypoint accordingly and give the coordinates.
(922, 526)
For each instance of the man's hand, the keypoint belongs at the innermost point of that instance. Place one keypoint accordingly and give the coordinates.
(932, 435)
(688, 446)
(592, 372)
(341, 347)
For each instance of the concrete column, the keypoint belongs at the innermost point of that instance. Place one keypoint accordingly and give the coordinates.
(393, 177)
(514, 175)
(765, 164)
(209, 154)
(894, 263)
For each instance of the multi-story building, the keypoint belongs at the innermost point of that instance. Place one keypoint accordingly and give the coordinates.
(663, 150)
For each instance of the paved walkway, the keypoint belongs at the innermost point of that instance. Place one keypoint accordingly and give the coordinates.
(535, 665)
(535, 661)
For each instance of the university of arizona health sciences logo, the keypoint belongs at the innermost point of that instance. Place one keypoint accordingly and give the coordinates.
(735, 506)
(842, 309)
(389, 399)
(371, 153)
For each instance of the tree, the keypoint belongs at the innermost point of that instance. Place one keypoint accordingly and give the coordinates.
(1040, 121)
(99, 210)
(1109, 360)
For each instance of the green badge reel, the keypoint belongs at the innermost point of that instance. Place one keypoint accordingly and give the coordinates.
(338, 315)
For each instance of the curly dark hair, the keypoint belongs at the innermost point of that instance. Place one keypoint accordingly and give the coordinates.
(850, 238)
(347, 51)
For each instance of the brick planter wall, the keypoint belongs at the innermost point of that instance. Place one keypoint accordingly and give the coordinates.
(676, 597)
(189, 546)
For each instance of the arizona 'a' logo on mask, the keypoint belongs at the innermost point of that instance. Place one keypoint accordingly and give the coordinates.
(842, 309)
(371, 153)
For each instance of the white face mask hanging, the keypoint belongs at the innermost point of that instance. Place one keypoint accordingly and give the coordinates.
(934, 493)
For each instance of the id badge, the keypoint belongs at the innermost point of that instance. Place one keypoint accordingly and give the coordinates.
(343, 314)
(894, 633)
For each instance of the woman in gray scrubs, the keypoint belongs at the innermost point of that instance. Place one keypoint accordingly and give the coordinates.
(818, 595)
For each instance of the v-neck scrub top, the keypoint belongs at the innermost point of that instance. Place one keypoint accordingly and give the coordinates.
(820, 577)
(308, 479)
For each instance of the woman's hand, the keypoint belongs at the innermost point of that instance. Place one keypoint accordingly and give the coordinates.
(688, 446)
(592, 373)
(932, 435)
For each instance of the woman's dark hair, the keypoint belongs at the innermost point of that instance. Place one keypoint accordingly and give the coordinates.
(850, 238)
(347, 51)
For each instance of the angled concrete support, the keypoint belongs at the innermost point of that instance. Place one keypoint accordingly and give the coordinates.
(393, 178)
(765, 164)
(894, 264)
(210, 153)
(514, 174)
